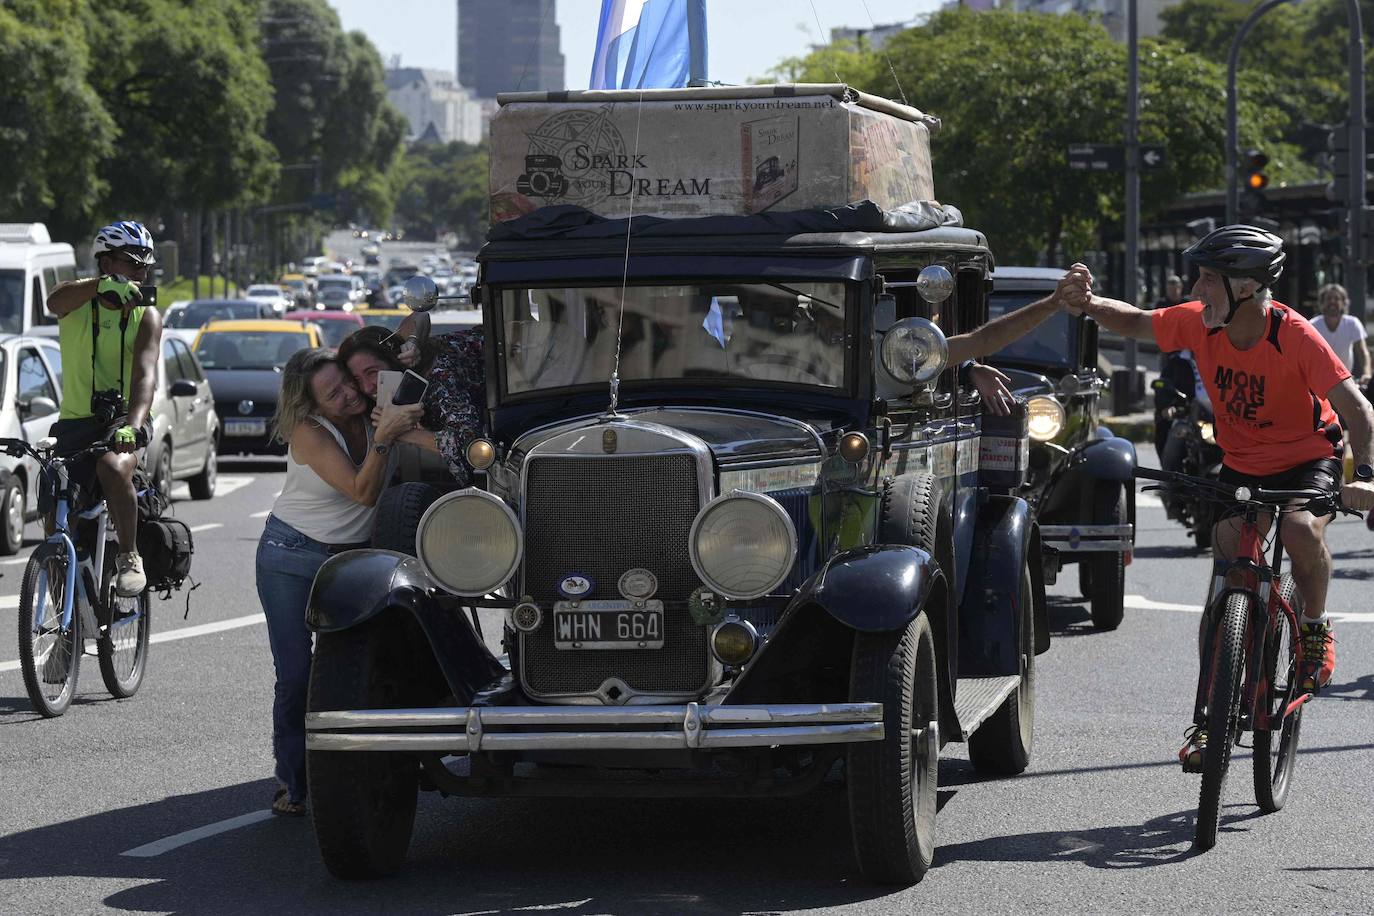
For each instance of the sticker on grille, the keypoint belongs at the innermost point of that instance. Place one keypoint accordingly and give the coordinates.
(598, 517)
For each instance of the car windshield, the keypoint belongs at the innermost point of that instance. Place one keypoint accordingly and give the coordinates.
(342, 283)
(11, 301)
(760, 333)
(383, 320)
(1052, 343)
(264, 291)
(334, 332)
(199, 314)
(249, 349)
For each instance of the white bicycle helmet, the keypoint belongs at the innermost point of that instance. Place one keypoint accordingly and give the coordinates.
(132, 238)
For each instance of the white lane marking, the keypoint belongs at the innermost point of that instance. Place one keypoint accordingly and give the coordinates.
(207, 527)
(166, 844)
(228, 483)
(14, 561)
(1148, 500)
(263, 514)
(1141, 603)
(200, 629)
(8, 602)
(538, 907)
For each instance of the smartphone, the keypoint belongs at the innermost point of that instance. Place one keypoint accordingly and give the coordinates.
(387, 383)
(149, 294)
(411, 389)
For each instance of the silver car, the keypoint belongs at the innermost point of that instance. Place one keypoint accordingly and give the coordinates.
(31, 379)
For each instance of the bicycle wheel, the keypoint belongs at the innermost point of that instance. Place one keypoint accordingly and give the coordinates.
(1223, 714)
(123, 648)
(1274, 760)
(49, 655)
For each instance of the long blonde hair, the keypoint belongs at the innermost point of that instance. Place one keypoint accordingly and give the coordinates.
(297, 400)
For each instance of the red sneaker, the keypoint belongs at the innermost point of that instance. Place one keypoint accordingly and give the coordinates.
(1316, 656)
(1193, 752)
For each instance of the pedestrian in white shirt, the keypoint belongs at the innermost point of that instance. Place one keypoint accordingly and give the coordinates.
(1343, 332)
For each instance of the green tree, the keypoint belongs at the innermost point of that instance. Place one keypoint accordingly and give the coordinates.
(189, 94)
(53, 128)
(443, 188)
(331, 108)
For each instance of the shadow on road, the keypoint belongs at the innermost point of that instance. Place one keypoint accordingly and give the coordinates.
(1069, 616)
(1159, 841)
(1169, 552)
(1360, 689)
(577, 856)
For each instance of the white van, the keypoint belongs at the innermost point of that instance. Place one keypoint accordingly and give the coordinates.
(31, 264)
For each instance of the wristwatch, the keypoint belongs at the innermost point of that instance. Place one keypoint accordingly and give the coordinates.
(381, 448)
(1364, 472)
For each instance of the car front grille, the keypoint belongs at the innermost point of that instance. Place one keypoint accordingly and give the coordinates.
(598, 517)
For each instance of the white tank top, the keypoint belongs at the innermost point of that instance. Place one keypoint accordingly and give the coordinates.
(314, 508)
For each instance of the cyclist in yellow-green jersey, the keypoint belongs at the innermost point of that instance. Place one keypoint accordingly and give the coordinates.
(109, 360)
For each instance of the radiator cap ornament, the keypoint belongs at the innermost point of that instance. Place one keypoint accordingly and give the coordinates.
(608, 441)
(575, 586)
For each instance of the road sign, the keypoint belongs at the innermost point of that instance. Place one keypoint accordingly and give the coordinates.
(1151, 157)
(1097, 157)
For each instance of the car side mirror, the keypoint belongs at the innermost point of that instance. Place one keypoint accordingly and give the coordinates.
(38, 407)
(184, 388)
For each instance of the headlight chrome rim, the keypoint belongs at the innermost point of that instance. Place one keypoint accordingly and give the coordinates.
(1057, 418)
(936, 360)
(695, 554)
(439, 505)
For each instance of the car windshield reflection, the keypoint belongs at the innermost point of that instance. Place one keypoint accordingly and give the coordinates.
(760, 333)
(1052, 343)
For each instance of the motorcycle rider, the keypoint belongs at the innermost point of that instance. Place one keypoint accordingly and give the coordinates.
(109, 343)
(1275, 382)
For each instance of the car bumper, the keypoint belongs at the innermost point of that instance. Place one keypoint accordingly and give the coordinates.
(544, 728)
(1088, 538)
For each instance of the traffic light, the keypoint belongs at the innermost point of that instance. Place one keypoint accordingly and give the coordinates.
(1253, 181)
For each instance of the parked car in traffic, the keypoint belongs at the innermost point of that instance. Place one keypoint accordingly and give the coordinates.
(301, 289)
(273, 295)
(339, 291)
(243, 361)
(31, 377)
(1081, 482)
(332, 326)
(388, 318)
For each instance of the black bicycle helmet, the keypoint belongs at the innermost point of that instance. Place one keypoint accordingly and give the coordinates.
(1239, 252)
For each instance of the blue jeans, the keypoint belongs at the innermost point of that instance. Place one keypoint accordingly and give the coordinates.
(286, 565)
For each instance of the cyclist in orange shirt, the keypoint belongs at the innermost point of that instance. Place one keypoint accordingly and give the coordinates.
(1273, 382)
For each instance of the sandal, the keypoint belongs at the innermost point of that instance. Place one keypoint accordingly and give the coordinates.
(283, 806)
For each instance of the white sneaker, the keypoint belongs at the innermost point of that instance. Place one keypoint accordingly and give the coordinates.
(130, 580)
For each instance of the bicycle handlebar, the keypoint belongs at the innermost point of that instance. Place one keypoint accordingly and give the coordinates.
(1319, 502)
(17, 448)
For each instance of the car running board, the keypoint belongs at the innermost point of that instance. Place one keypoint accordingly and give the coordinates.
(978, 697)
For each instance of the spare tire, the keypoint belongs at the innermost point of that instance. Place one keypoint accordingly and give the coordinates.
(399, 510)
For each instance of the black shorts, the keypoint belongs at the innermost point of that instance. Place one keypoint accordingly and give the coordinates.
(1321, 474)
(83, 432)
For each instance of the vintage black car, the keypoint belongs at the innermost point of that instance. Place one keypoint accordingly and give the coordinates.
(1081, 485)
(764, 550)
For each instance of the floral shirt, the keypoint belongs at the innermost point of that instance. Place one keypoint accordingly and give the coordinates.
(456, 397)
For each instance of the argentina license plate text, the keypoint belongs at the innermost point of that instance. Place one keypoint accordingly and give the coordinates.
(608, 624)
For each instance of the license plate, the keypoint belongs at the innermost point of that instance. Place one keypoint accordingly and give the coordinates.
(245, 427)
(608, 624)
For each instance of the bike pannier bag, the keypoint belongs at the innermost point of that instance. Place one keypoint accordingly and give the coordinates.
(166, 547)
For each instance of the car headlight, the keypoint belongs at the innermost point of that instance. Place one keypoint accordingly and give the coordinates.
(914, 351)
(469, 542)
(1044, 417)
(743, 545)
(1209, 432)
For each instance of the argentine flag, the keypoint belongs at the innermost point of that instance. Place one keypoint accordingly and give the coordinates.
(649, 44)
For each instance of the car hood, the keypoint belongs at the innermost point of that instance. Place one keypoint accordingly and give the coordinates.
(734, 437)
(261, 385)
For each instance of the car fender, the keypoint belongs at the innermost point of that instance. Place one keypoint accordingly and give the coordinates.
(357, 585)
(1109, 459)
(874, 589)
(1006, 541)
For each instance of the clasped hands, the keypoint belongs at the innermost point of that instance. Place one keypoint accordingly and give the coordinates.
(1075, 289)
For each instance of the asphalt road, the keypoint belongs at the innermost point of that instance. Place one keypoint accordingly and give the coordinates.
(1101, 822)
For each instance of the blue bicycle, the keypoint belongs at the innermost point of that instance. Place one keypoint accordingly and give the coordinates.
(68, 591)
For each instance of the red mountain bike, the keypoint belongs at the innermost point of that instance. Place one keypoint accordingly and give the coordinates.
(1248, 681)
